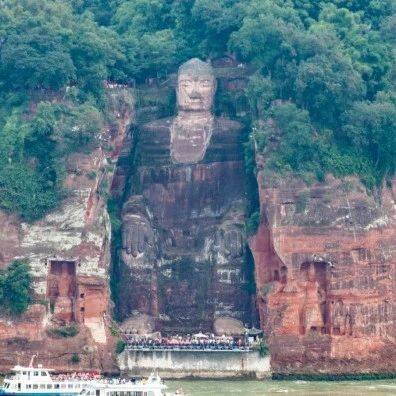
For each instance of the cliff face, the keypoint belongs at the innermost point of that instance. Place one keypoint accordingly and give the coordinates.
(324, 254)
(69, 253)
(325, 270)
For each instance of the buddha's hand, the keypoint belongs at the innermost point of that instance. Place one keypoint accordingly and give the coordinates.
(137, 234)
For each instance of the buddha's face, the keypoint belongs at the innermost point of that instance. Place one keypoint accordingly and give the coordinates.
(195, 92)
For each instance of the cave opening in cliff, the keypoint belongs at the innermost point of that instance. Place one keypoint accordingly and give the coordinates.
(283, 274)
(61, 289)
(314, 313)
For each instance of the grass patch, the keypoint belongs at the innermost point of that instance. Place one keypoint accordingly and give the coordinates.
(63, 332)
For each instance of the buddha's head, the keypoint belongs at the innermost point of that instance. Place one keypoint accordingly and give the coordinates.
(196, 86)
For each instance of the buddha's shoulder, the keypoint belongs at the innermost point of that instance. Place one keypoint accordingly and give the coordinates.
(225, 125)
(221, 125)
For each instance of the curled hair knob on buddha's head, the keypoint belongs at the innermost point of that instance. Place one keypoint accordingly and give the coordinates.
(196, 67)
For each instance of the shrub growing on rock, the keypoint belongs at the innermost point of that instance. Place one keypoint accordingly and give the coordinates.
(75, 358)
(15, 287)
(63, 332)
(120, 346)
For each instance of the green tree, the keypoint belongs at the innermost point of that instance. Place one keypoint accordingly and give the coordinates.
(214, 21)
(260, 93)
(95, 51)
(300, 147)
(25, 192)
(372, 130)
(34, 51)
(327, 86)
(370, 54)
(15, 287)
(148, 54)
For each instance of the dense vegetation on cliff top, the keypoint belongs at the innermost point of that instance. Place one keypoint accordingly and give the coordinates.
(323, 72)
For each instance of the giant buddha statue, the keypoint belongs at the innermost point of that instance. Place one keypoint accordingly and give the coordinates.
(183, 225)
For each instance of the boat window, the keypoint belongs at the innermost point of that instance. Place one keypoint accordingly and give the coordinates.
(36, 373)
(43, 374)
(56, 386)
(63, 386)
(49, 386)
(35, 386)
(70, 386)
(24, 372)
(28, 386)
(42, 386)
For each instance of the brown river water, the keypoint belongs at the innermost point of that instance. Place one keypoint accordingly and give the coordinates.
(292, 388)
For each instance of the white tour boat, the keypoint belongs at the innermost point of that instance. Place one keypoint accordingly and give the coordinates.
(38, 381)
(153, 386)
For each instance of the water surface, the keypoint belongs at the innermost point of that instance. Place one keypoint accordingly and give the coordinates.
(294, 388)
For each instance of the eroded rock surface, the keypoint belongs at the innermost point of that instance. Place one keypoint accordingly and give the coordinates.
(69, 253)
(325, 272)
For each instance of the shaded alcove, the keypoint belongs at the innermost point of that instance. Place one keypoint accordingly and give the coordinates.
(314, 315)
(61, 288)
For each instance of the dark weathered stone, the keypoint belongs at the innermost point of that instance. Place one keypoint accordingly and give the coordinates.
(188, 176)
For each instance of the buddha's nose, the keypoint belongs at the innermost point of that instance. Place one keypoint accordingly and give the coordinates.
(195, 94)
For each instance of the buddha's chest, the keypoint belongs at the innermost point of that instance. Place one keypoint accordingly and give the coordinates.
(189, 139)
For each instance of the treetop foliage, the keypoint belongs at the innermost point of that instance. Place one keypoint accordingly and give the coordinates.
(328, 64)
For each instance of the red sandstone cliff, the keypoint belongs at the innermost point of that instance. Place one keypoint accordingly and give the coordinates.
(325, 271)
(69, 253)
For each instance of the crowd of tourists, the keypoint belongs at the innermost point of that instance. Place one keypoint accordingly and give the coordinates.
(91, 376)
(78, 376)
(187, 342)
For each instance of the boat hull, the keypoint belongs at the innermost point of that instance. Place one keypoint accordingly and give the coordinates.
(5, 393)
